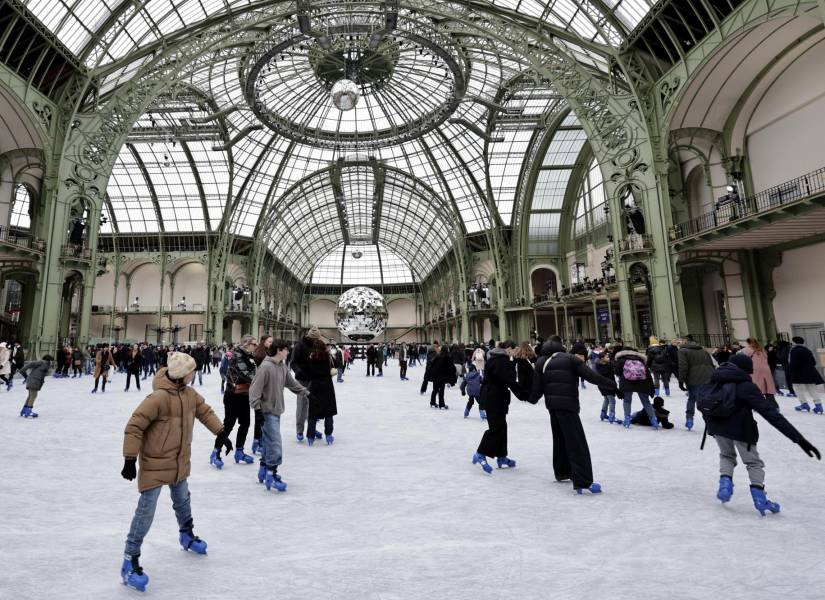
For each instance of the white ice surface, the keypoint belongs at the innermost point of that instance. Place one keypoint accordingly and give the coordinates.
(395, 510)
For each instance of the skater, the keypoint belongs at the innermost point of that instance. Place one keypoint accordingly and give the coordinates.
(762, 376)
(159, 434)
(403, 352)
(266, 395)
(499, 381)
(478, 359)
(430, 354)
(727, 405)
(441, 372)
(641, 418)
(5, 364)
(695, 369)
(474, 380)
(604, 367)
(321, 392)
(264, 349)
(658, 361)
(134, 365)
(300, 359)
(77, 363)
(18, 359)
(34, 373)
(803, 376)
(556, 378)
(239, 375)
(103, 362)
(634, 378)
(201, 356)
(372, 358)
(224, 365)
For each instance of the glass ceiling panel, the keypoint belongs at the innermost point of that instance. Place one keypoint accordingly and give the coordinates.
(543, 234)
(130, 196)
(375, 265)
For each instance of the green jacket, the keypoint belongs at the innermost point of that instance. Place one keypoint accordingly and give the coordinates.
(695, 364)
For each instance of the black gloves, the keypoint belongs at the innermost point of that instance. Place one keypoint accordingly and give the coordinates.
(224, 441)
(129, 469)
(619, 395)
(809, 449)
(682, 386)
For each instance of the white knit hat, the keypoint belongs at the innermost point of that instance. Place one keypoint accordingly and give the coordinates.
(180, 365)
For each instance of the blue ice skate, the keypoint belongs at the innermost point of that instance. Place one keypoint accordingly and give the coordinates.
(330, 439)
(761, 502)
(256, 446)
(689, 423)
(261, 473)
(667, 392)
(654, 422)
(273, 480)
(299, 437)
(310, 440)
(803, 407)
(603, 416)
(132, 574)
(240, 455)
(28, 413)
(215, 459)
(504, 461)
(189, 541)
(655, 392)
(466, 412)
(818, 408)
(482, 414)
(482, 460)
(725, 488)
(595, 488)
(626, 422)
(318, 435)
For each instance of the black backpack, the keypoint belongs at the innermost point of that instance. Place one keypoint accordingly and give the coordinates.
(717, 400)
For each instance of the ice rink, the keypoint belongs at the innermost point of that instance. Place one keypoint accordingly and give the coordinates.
(395, 510)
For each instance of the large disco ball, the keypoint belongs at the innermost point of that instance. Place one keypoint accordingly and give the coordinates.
(345, 94)
(362, 314)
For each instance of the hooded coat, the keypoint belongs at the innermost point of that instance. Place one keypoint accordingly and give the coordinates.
(802, 366)
(499, 380)
(741, 426)
(695, 364)
(559, 381)
(644, 386)
(159, 433)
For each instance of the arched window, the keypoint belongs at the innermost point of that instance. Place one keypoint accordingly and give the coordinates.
(590, 214)
(20, 215)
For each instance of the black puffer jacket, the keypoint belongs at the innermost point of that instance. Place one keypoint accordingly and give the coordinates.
(499, 380)
(300, 358)
(741, 425)
(644, 386)
(559, 383)
(658, 360)
(442, 370)
(802, 366)
(605, 369)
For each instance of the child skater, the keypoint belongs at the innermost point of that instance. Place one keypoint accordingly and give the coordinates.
(159, 433)
(34, 374)
(473, 381)
(604, 367)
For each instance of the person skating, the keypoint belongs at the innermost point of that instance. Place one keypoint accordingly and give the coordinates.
(803, 376)
(133, 361)
(201, 356)
(104, 361)
(695, 369)
(727, 405)
(634, 378)
(473, 379)
(266, 395)
(499, 381)
(441, 372)
(35, 373)
(430, 354)
(556, 378)
(662, 415)
(762, 375)
(5, 364)
(239, 375)
(372, 358)
(159, 435)
(661, 367)
(403, 352)
(299, 364)
(321, 392)
(604, 367)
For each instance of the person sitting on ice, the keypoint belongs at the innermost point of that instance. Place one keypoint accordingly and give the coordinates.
(159, 434)
(641, 418)
(727, 404)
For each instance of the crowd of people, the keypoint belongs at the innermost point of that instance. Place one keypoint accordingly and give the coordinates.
(725, 385)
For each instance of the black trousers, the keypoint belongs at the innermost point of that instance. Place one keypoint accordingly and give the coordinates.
(129, 376)
(403, 366)
(438, 390)
(571, 456)
(259, 423)
(471, 401)
(235, 408)
(370, 369)
(494, 441)
(328, 423)
(98, 378)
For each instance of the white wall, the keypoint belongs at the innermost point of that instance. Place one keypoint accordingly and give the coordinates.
(191, 281)
(104, 294)
(322, 313)
(786, 134)
(402, 313)
(712, 283)
(146, 285)
(800, 287)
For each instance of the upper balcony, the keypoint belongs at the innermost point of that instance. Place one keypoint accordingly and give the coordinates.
(21, 243)
(790, 211)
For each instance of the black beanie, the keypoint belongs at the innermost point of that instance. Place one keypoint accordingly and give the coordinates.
(743, 361)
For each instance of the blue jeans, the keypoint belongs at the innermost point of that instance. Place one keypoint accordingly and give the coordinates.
(341, 374)
(648, 407)
(609, 403)
(272, 451)
(693, 391)
(145, 513)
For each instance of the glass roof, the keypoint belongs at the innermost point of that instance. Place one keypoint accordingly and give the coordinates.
(371, 265)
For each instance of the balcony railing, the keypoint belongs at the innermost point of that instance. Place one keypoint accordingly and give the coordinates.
(635, 243)
(75, 252)
(711, 340)
(21, 240)
(789, 192)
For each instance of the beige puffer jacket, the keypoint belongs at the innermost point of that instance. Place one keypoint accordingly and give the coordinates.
(160, 432)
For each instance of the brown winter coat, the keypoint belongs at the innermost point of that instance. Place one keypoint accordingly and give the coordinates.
(160, 432)
(99, 363)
